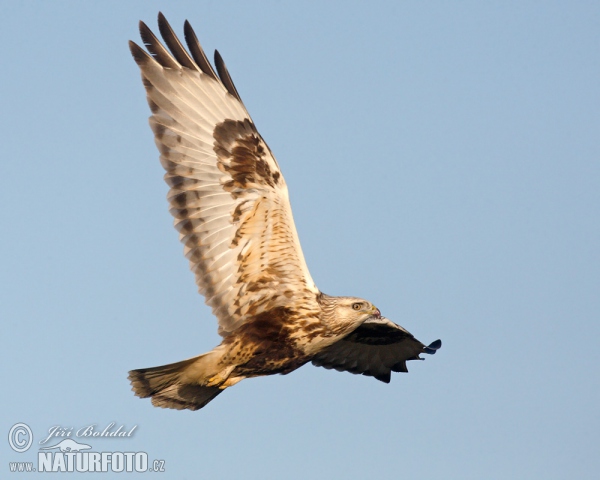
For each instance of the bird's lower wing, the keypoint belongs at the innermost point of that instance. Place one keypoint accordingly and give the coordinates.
(376, 348)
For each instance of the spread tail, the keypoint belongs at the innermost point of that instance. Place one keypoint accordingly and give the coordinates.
(178, 385)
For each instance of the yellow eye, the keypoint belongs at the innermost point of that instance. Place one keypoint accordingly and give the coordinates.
(356, 306)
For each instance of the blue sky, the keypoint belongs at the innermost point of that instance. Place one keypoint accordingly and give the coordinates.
(443, 162)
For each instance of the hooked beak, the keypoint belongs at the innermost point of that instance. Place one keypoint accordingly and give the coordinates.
(375, 312)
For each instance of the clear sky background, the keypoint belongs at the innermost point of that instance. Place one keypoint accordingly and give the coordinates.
(443, 160)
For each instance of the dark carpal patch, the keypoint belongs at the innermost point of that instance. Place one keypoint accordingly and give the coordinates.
(274, 351)
(242, 153)
(270, 326)
(375, 334)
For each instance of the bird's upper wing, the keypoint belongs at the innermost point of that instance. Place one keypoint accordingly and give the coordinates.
(376, 348)
(228, 197)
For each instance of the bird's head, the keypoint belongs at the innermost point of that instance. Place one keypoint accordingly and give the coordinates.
(348, 313)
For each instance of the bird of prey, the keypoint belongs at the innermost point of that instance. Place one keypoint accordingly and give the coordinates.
(231, 208)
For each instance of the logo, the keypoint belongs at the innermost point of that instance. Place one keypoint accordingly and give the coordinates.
(68, 445)
(69, 455)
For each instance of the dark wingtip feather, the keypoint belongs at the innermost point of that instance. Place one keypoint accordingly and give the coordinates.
(382, 377)
(139, 54)
(433, 347)
(197, 52)
(225, 77)
(156, 49)
(400, 367)
(145, 32)
(174, 44)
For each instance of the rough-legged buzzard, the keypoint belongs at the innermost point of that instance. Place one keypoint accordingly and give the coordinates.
(232, 210)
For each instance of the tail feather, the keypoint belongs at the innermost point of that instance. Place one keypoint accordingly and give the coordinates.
(169, 386)
(180, 397)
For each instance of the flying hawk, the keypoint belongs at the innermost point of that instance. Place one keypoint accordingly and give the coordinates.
(232, 210)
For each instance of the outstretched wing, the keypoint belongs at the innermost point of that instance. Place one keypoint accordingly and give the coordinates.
(228, 196)
(376, 348)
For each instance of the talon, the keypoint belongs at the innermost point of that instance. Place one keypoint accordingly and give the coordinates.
(220, 378)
